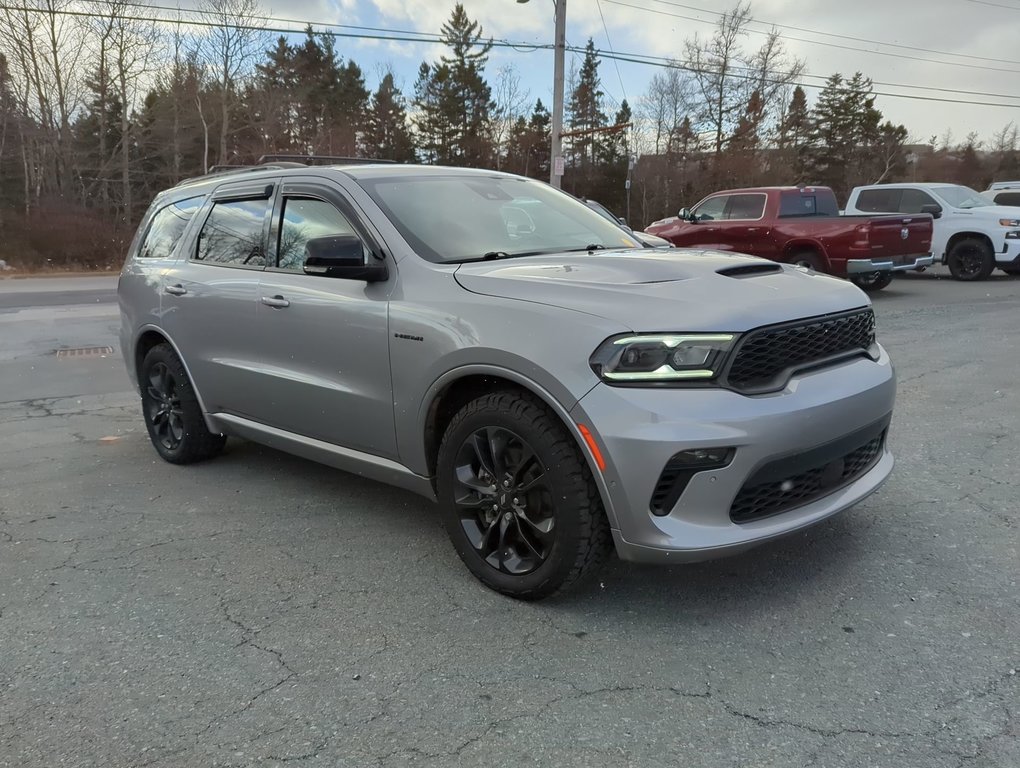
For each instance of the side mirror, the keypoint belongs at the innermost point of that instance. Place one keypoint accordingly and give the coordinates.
(934, 209)
(685, 215)
(341, 256)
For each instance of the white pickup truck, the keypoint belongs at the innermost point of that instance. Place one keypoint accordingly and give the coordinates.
(972, 235)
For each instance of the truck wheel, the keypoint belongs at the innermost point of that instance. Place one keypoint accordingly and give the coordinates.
(970, 259)
(808, 259)
(518, 499)
(171, 410)
(873, 281)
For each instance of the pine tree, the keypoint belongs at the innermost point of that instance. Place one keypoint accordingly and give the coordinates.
(585, 111)
(471, 105)
(386, 133)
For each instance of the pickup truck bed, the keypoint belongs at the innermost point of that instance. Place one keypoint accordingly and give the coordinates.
(803, 226)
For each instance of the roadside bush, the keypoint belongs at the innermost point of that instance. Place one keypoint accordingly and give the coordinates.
(57, 236)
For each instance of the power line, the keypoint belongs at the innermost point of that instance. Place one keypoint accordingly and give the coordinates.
(819, 42)
(660, 62)
(996, 5)
(851, 37)
(610, 44)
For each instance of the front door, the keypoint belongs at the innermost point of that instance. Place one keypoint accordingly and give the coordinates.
(326, 349)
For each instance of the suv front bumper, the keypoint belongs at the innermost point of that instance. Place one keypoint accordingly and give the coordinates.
(641, 429)
(866, 266)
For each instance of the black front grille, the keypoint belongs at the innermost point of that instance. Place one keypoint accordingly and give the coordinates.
(763, 499)
(765, 357)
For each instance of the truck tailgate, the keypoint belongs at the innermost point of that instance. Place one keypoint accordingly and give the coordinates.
(899, 236)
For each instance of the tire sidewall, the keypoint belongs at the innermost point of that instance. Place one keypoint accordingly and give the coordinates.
(189, 404)
(953, 259)
(567, 490)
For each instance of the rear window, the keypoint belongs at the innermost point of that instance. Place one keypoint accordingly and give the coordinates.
(795, 204)
(1007, 198)
(751, 206)
(166, 228)
(879, 200)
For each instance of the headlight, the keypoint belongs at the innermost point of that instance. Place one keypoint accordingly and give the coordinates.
(661, 357)
(1009, 222)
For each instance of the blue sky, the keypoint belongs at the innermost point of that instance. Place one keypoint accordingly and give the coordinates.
(962, 46)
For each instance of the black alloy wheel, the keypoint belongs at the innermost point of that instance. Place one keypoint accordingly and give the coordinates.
(163, 407)
(970, 259)
(173, 415)
(518, 497)
(504, 501)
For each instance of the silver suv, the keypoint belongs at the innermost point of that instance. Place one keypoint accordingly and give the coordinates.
(495, 345)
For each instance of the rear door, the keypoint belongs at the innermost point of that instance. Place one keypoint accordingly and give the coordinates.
(209, 297)
(325, 339)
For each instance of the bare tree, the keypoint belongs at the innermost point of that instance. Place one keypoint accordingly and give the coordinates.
(231, 50)
(511, 101)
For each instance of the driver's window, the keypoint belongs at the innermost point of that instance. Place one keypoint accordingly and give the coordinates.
(712, 209)
(305, 219)
(232, 235)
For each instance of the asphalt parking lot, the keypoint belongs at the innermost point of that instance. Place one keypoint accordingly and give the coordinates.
(263, 610)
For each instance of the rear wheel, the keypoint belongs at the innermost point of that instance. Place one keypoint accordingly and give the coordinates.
(808, 259)
(518, 500)
(872, 281)
(970, 259)
(172, 414)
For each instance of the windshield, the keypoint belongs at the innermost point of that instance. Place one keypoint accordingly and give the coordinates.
(963, 197)
(468, 217)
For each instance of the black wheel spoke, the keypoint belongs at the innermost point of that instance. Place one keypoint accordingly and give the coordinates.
(504, 508)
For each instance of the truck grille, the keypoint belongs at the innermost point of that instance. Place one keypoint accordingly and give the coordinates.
(766, 356)
(758, 500)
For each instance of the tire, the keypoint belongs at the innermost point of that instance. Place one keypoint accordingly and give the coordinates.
(873, 281)
(970, 259)
(808, 259)
(544, 532)
(172, 414)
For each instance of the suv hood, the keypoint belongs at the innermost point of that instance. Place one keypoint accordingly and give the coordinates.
(668, 290)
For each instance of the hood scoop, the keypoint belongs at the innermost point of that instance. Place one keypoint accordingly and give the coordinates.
(750, 270)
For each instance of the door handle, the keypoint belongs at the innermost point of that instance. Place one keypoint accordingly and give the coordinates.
(175, 290)
(276, 302)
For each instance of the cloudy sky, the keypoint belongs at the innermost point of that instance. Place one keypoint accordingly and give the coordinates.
(967, 48)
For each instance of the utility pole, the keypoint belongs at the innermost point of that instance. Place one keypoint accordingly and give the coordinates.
(559, 52)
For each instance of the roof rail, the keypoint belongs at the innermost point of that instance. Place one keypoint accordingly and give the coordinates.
(281, 162)
(313, 159)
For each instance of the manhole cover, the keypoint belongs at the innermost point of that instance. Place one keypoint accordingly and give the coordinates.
(85, 352)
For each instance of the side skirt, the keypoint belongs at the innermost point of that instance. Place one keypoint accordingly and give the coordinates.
(355, 462)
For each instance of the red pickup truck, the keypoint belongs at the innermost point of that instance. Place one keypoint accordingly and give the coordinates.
(803, 226)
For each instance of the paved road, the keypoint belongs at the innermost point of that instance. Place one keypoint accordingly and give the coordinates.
(262, 610)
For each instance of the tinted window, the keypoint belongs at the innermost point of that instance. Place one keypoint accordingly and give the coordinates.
(305, 219)
(1007, 198)
(167, 227)
(464, 217)
(233, 234)
(745, 207)
(712, 209)
(792, 204)
(879, 200)
(913, 200)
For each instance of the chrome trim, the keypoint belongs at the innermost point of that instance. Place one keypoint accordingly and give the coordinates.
(864, 266)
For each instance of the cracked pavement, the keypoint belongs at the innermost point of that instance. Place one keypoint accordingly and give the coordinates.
(261, 610)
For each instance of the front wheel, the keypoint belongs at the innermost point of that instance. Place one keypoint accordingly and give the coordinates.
(517, 498)
(970, 259)
(873, 281)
